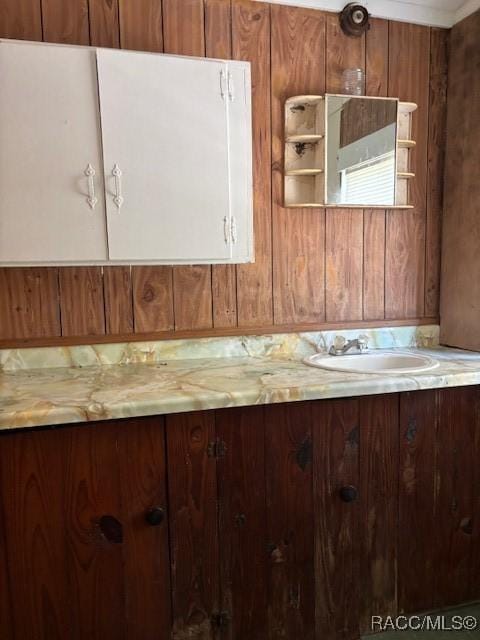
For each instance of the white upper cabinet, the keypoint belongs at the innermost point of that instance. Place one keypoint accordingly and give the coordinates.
(165, 133)
(50, 210)
(117, 157)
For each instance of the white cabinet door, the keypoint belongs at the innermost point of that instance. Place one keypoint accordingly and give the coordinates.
(49, 135)
(240, 151)
(165, 134)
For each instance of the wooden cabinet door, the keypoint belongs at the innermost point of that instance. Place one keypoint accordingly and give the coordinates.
(78, 559)
(165, 136)
(355, 445)
(439, 527)
(49, 138)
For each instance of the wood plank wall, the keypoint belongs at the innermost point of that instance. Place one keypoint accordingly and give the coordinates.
(313, 268)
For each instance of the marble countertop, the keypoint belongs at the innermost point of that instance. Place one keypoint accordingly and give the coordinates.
(72, 394)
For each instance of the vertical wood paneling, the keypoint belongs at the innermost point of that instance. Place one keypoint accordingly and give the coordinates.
(21, 19)
(117, 288)
(243, 557)
(32, 499)
(454, 500)
(437, 115)
(288, 469)
(251, 42)
(95, 552)
(81, 301)
(143, 486)
(65, 21)
(344, 264)
(376, 68)
(152, 299)
(104, 23)
(29, 303)
(378, 490)
(336, 437)
(395, 274)
(417, 501)
(409, 63)
(184, 33)
(218, 44)
(344, 228)
(298, 67)
(193, 524)
(373, 264)
(141, 26)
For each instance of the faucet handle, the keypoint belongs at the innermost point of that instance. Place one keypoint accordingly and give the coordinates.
(362, 342)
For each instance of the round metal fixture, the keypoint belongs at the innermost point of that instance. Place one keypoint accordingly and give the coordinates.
(354, 19)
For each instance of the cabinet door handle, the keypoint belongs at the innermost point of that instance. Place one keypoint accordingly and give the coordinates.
(90, 173)
(117, 174)
(155, 516)
(348, 493)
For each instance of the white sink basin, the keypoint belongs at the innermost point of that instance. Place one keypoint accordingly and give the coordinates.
(386, 362)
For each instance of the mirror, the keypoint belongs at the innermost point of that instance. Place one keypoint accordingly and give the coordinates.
(361, 139)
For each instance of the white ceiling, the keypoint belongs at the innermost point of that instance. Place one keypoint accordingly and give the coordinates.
(436, 13)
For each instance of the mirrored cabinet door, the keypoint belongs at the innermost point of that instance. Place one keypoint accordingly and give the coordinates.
(361, 139)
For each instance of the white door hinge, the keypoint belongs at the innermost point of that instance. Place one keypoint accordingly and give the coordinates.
(226, 229)
(230, 230)
(223, 84)
(230, 87)
(233, 230)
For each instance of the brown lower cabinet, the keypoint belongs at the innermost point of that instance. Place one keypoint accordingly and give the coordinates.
(285, 521)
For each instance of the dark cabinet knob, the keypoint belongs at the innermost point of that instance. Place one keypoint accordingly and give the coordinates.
(155, 516)
(348, 493)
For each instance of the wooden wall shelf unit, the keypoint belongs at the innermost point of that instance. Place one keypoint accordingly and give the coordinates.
(305, 154)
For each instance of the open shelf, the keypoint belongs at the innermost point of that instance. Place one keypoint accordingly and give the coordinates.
(303, 172)
(406, 144)
(305, 138)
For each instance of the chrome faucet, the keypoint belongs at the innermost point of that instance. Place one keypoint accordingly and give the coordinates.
(340, 346)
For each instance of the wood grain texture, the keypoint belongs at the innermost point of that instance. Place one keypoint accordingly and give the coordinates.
(29, 303)
(218, 44)
(344, 264)
(454, 494)
(81, 301)
(460, 299)
(251, 42)
(343, 227)
(143, 486)
(336, 437)
(117, 289)
(376, 84)
(298, 67)
(409, 63)
(286, 284)
(34, 521)
(437, 114)
(95, 560)
(152, 298)
(21, 19)
(288, 470)
(378, 464)
(104, 23)
(417, 501)
(141, 26)
(65, 21)
(242, 529)
(373, 264)
(184, 33)
(193, 524)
